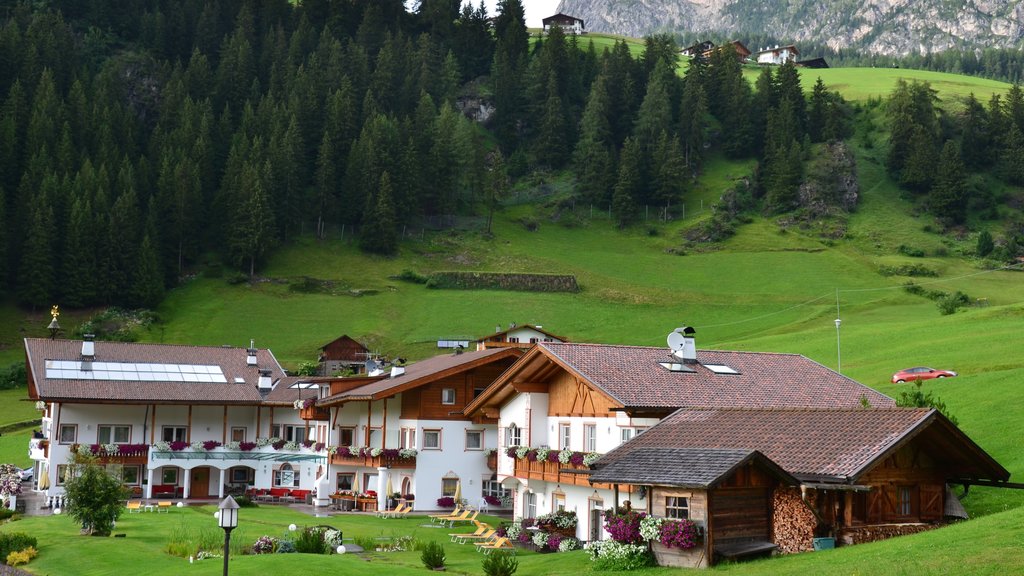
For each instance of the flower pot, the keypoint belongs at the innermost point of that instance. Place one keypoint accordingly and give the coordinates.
(823, 543)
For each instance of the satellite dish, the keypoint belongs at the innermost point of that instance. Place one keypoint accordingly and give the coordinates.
(676, 340)
(371, 366)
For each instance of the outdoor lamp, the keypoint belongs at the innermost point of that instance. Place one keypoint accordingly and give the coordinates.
(228, 520)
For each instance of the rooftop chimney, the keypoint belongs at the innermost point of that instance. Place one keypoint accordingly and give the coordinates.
(397, 371)
(250, 357)
(265, 383)
(88, 346)
(683, 344)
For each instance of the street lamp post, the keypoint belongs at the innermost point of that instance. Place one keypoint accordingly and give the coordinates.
(839, 349)
(227, 519)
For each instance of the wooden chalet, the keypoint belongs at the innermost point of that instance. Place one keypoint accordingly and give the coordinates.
(517, 336)
(864, 474)
(778, 55)
(698, 49)
(569, 24)
(343, 354)
(726, 491)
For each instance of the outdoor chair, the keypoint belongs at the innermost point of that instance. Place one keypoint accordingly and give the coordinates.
(488, 535)
(499, 544)
(401, 510)
(436, 517)
(134, 506)
(450, 520)
(163, 506)
(466, 517)
(480, 528)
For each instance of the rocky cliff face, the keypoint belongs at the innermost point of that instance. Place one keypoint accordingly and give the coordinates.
(889, 27)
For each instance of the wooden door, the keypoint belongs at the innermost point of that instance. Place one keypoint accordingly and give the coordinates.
(200, 482)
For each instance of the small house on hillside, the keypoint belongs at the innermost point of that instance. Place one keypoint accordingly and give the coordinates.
(698, 49)
(517, 337)
(568, 24)
(742, 52)
(343, 354)
(778, 55)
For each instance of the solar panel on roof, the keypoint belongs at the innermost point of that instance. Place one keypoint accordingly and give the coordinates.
(133, 371)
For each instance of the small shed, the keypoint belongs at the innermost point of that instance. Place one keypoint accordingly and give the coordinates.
(727, 492)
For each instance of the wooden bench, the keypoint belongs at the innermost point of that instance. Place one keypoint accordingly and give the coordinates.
(742, 547)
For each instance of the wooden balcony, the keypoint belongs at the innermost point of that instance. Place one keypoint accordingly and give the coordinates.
(315, 413)
(374, 461)
(127, 454)
(557, 472)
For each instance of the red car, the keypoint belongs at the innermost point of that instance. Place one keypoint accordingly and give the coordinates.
(920, 373)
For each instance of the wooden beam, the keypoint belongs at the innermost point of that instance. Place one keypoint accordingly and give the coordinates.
(527, 387)
(152, 427)
(258, 414)
(188, 429)
(224, 428)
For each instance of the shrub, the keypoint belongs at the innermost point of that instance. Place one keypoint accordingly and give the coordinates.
(985, 244)
(285, 547)
(244, 502)
(917, 398)
(264, 545)
(567, 545)
(624, 526)
(411, 276)
(910, 251)
(188, 540)
(433, 555)
(615, 556)
(311, 541)
(500, 563)
(15, 541)
(95, 498)
(6, 513)
(22, 556)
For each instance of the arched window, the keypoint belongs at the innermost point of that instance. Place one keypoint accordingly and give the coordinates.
(286, 477)
(513, 435)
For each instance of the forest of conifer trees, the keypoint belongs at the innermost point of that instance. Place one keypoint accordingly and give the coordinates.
(136, 138)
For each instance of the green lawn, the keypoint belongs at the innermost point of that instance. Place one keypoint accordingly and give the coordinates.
(986, 546)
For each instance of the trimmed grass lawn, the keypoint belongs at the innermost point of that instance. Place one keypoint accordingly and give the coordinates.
(986, 546)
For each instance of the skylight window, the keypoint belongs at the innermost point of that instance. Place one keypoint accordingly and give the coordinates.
(676, 367)
(133, 371)
(721, 369)
(304, 385)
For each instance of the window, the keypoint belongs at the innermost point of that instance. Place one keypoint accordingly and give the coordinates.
(370, 482)
(630, 433)
(242, 475)
(130, 475)
(449, 485)
(375, 438)
(173, 434)
(533, 340)
(62, 474)
(431, 439)
(590, 437)
(677, 507)
(513, 436)
(514, 339)
(275, 431)
(557, 501)
(407, 438)
(474, 439)
(68, 433)
(113, 434)
(494, 488)
(289, 432)
(286, 477)
(904, 500)
(169, 476)
(564, 436)
(529, 505)
(346, 436)
(448, 396)
(238, 434)
(345, 480)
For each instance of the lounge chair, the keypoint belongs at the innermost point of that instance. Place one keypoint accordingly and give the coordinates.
(134, 506)
(451, 520)
(467, 517)
(480, 528)
(393, 513)
(487, 536)
(435, 517)
(163, 506)
(499, 544)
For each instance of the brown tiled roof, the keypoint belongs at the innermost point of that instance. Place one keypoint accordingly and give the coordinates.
(422, 372)
(819, 444)
(284, 394)
(632, 376)
(682, 467)
(231, 360)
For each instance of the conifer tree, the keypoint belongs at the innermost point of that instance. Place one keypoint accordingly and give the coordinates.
(593, 159)
(253, 230)
(378, 233)
(919, 169)
(552, 145)
(1011, 161)
(627, 185)
(36, 279)
(948, 198)
(670, 172)
(147, 279)
(975, 135)
(817, 113)
(79, 270)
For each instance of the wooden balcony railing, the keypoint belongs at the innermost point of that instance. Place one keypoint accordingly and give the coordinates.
(126, 454)
(374, 461)
(556, 472)
(315, 413)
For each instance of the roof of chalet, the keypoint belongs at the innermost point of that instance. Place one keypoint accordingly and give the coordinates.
(633, 377)
(560, 16)
(513, 328)
(420, 373)
(825, 445)
(790, 47)
(683, 467)
(346, 337)
(239, 387)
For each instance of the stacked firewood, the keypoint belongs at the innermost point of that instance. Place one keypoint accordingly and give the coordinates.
(882, 532)
(793, 524)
